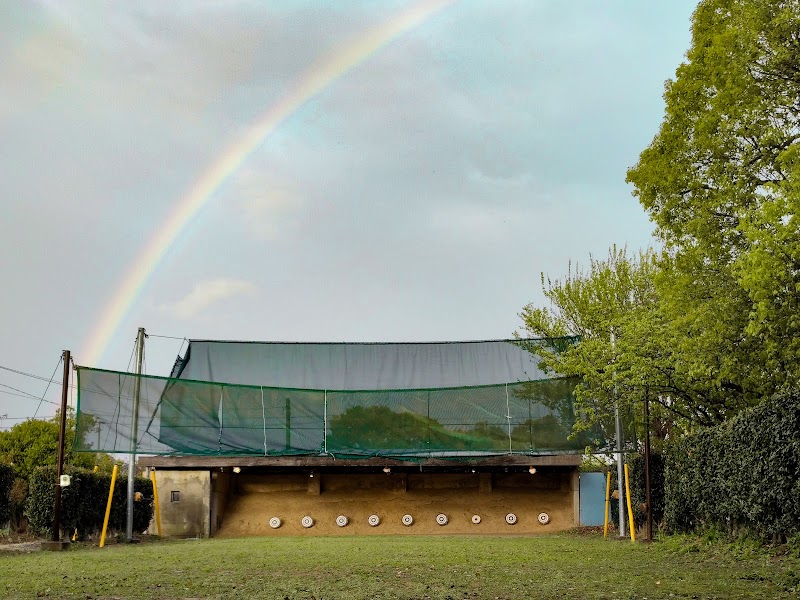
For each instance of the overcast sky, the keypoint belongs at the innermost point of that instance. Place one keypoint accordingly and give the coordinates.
(416, 198)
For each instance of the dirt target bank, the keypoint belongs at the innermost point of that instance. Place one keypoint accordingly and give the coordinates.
(235, 497)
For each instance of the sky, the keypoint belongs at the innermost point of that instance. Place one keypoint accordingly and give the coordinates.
(416, 194)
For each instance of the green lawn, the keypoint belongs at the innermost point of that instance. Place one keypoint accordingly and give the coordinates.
(557, 566)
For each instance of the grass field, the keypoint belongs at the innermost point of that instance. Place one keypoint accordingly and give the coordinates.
(557, 566)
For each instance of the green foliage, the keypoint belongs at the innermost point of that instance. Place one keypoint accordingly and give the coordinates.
(635, 462)
(34, 443)
(743, 475)
(6, 483)
(721, 180)
(375, 429)
(393, 429)
(83, 502)
(618, 295)
(637, 483)
(28, 445)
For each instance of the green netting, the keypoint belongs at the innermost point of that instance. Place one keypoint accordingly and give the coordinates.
(177, 416)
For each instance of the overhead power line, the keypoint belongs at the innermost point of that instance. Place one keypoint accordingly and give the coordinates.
(31, 375)
(23, 394)
(60, 360)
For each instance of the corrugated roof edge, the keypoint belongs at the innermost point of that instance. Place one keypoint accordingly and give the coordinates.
(511, 340)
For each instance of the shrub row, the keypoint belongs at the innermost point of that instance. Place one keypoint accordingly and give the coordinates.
(83, 502)
(6, 481)
(637, 483)
(742, 476)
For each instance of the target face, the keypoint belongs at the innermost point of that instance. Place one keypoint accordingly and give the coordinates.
(307, 522)
(342, 521)
(275, 522)
(408, 520)
(476, 519)
(511, 518)
(374, 520)
(441, 519)
(543, 518)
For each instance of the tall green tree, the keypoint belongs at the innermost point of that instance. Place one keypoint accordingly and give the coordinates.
(34, 443)
(628, 345)
(721, 181)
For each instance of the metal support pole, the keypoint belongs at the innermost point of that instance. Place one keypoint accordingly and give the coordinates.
(287, 415)
(137, 390)
(618, 423)
(647, 496)
(61, 440)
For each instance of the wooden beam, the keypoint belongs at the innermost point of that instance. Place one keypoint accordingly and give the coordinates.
(328, 462)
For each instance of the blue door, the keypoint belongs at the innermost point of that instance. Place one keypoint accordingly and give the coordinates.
(593, 498)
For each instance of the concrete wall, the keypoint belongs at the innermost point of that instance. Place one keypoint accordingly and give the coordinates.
(221, 491)
(189, 513)
(255, 498)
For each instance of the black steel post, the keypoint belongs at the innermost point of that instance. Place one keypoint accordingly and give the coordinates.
(61, 435)
(648, 499)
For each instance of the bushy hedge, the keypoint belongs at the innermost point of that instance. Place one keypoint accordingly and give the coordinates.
(637, 483)
(638, 499)
(742, 476)
(6, 481)
(83, 503)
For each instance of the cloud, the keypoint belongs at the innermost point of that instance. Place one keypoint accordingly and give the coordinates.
(270, 205)
(207, 293)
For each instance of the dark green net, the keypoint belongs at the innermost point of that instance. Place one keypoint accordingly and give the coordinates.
(178, 416)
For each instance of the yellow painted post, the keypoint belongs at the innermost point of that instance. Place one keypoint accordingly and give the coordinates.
(630, 508)
(155, 501)
(608, 503)
(108, 506)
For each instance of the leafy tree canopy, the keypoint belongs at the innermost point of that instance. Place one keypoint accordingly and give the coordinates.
(34, 443)
(721, 181)
(631, 343)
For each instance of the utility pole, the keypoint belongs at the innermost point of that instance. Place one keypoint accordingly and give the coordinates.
(137, 390)
(647, 496)
(61, 435)
(618, 422)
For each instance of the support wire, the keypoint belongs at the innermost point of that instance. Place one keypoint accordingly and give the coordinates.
(48, 387)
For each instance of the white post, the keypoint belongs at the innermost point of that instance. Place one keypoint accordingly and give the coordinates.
(137, 390)
(508, 416)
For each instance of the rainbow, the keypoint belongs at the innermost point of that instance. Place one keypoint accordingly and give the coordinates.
(311, 83)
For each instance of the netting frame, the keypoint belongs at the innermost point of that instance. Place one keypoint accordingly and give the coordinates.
(455, 456)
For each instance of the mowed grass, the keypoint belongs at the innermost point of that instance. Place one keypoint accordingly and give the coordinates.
(555, 566)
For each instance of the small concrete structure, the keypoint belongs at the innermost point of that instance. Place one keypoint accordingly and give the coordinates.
(185, 501)
(204, 496)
